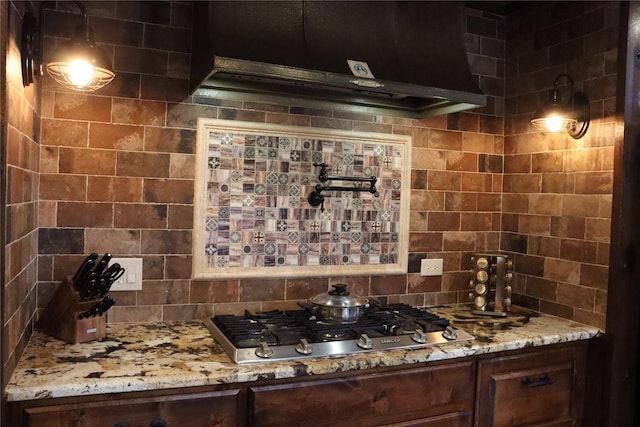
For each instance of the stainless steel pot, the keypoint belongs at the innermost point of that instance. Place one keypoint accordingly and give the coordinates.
(338, 306)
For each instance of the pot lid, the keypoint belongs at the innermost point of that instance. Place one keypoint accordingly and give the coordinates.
(339, 297)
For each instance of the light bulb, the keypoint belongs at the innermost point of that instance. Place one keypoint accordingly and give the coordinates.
(554, 124)
(80, 73)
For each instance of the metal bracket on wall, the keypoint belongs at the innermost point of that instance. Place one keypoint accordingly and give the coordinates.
(317, 199)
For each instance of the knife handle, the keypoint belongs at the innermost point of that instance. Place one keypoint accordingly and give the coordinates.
(84, 268)
(103, 263)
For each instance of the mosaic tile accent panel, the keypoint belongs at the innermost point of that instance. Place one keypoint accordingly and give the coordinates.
(252, 215)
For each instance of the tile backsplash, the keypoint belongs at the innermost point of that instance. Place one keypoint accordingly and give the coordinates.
(254, 217)
(114, 171)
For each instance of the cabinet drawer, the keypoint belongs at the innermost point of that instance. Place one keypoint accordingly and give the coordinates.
(370, 400)
(543, 388)
(219, 409)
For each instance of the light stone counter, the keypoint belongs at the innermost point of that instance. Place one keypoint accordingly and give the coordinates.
(153, 356)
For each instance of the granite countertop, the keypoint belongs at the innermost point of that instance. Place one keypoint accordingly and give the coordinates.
(153, 356)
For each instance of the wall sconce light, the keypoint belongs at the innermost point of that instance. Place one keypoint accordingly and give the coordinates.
(557, 116)
(77, 64)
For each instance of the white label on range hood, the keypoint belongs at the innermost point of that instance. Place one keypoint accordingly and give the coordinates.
(360, 69)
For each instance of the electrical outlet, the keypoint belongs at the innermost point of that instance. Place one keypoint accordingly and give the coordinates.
(131, 280)
(431, 267)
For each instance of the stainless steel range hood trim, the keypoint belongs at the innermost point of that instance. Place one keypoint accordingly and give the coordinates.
(236, 79)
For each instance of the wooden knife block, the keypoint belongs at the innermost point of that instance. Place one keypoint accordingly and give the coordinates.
(60, 317)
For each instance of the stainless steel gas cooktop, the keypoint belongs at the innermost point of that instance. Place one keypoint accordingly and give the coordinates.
(286, 335)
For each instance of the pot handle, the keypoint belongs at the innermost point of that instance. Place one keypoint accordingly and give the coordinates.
(309, 307)
(339, 289)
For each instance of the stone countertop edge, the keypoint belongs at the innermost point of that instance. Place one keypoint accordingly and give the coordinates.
(155, 356)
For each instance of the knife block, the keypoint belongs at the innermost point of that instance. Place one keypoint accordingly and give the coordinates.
(60, 317)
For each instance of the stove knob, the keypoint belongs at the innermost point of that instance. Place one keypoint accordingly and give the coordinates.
(365, 342)
(419, 336)
(264, 351)
(507, 290)
(449, 333)
(303, 347)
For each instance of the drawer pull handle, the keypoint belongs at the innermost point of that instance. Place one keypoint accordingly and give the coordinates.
(542, 381)
(121, 424)
(159, 422)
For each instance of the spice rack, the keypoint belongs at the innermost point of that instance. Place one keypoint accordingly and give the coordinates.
(60, 317)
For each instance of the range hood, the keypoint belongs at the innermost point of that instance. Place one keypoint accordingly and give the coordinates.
(399, 58)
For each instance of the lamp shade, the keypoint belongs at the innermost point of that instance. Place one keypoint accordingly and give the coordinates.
(79, 64)
(554, 117)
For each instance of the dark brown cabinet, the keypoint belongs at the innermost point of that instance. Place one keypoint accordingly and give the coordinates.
(209, 409)
(544, 387)
(428, 396)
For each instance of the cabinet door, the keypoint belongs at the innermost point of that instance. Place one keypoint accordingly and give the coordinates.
(219, 409)
(542, 388)
(370, 400)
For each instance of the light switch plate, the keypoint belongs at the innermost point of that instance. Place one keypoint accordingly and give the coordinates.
(431, 267)
(131, 280)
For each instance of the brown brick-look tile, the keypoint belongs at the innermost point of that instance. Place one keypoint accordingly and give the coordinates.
(521, 183)
(139, 313)
(479, 143)
(544, 246)
(187, 312)
(82, 107)
(261, 290)
(87, 161)
(428, 159)
(165, 242)
(476, 221)
(558, 183)
(143, 164)
(576, 296)
(112, 189)
(478, 182)
(76, 214)
(578, 250)
(517, 164)
(427, 200)
(169, 140)
(158, 292)
(60, 241)
(545, 204)
(388, 285)
(534, 224)
(133, 215)
(461, 201)
(595, 276)
(460, 161)
(304, 288)
(67, 133)
(123, 242)
(541, 288)
(168, 191)
(447, 181)
(443, 221)
(138, 112)
(116, 136)
(140, 60)
(178, 266)
(62, 187)
(562, 270)
(180, 217)
(489, 202)
(445, 139)
(426, 242)
(459, 241)
(422, 284)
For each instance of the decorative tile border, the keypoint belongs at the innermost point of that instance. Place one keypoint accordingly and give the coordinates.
(252, 217)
